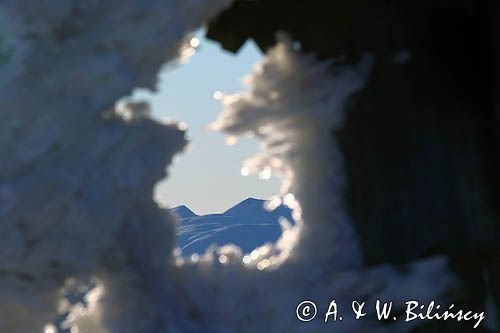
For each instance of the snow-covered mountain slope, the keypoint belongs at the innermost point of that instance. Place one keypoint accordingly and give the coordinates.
(248, 225)
(183, 212)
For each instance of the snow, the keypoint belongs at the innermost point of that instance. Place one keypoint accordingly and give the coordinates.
(247, 225)
(256, 210)
(183, 212)
(77, 178)
(294, 106)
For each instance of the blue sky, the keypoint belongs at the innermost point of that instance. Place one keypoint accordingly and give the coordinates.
(207, 177)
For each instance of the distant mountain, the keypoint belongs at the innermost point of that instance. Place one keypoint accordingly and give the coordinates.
(183, 212)
(255, 211)
(247, 224)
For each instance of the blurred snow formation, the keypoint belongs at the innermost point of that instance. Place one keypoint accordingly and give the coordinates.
(76, 177)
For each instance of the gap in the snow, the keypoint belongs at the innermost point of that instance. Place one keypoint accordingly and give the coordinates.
(215, 203)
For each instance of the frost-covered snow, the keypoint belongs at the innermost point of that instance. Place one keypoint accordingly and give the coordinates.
(77, 176)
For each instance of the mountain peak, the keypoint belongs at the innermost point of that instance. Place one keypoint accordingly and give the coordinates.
(247, 224)
(247, 204)
(183, 211)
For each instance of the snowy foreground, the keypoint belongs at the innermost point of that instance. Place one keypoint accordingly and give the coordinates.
(77, 176)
